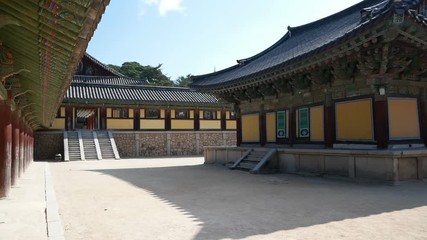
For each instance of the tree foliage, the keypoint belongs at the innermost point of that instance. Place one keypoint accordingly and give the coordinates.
(184, 81)
(152, 75)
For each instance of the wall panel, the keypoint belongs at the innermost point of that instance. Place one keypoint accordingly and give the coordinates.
(250, 128)
(354, 120)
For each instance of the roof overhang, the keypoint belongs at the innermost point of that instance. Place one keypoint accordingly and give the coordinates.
(41, 43)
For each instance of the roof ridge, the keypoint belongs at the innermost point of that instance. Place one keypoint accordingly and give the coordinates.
(103, 65)
(292, 31)
(131, 86)
(301, 28)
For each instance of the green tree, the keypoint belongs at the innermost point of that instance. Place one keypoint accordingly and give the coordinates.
(184, 81)
(152, 75)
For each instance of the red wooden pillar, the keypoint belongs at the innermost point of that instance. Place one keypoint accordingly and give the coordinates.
(196, 120)
(69, 118)
(423, 110)
(292, 126)
(381, 122)
(5, 149)
(21, 146)
(239, 127)
(168, 119)
(15, 147)
(136, 119)
(103, 118)
(32, 145)
(223, 120)
(329, 123)
(262, 128)
(25, 147)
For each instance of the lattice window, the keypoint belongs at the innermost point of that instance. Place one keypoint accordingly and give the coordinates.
(181, 114)
(152, 113)
(209, 115)
(120, 113)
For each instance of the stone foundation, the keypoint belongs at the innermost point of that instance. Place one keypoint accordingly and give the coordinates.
(382, 165)
(47, 144)
(143, 143)
(170, 143)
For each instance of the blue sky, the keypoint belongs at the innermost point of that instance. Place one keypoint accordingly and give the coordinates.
(198, 36)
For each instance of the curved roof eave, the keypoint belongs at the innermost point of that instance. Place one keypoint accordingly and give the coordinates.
(381, 5)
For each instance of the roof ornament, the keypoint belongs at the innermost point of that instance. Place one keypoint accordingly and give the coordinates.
(290, 31)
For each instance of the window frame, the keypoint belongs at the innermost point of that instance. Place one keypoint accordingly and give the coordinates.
(147, 115)
(123, 113)
(178, 111)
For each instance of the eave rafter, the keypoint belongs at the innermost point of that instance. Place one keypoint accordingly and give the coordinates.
(372, 51)
(47, 39)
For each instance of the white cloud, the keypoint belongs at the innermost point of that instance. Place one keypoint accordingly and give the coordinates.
(165, 6)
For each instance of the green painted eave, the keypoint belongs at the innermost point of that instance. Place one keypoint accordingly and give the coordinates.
(47, 39)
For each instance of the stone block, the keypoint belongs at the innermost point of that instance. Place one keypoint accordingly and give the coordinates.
(408, 169)
(336, 165)
(374, 168)
(311, 163)
(287, 163)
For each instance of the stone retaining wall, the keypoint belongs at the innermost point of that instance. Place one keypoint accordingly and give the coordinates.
(170, 143)
(383, 165)
(47, 144)
(143, 143)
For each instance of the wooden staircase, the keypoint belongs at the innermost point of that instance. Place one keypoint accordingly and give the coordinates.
(257, 161)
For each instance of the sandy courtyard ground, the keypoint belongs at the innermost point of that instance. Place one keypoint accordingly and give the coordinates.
(180, 198)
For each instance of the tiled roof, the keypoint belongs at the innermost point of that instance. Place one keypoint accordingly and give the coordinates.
(125, 91)
(300, 42)
(104, 66)
(107, 80)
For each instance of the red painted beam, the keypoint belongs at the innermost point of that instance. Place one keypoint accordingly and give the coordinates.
(15, 147)
(5, 149)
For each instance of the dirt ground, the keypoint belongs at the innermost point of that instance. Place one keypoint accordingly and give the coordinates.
(180, 198)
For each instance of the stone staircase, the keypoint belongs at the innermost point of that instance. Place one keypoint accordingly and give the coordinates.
(73, 146)
(105, 145)
(256, 161)
(89, 145)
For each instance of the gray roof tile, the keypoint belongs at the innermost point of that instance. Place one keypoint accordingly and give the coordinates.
(109, 89)
(300, 41)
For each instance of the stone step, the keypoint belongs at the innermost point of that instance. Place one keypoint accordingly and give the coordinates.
(252, 159)
(246, 166)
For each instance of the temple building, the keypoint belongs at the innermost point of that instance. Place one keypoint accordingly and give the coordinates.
(105, 115)
(41, 44)
(344, 95)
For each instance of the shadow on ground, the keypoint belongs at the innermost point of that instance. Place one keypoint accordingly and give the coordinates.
(234, 204)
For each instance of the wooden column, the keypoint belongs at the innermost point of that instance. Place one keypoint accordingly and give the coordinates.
(27, 146)
(5, 149)
(239, 127)
(136, 119)
(292, 126)
(103, 118)
(423, 123)
(167, 119)
(262, 128)
(21, 146)
(69, 118)
(31, 152)
(223, 120)
(196, 120)
(329, 123)
(15, 147)
(381, 122)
